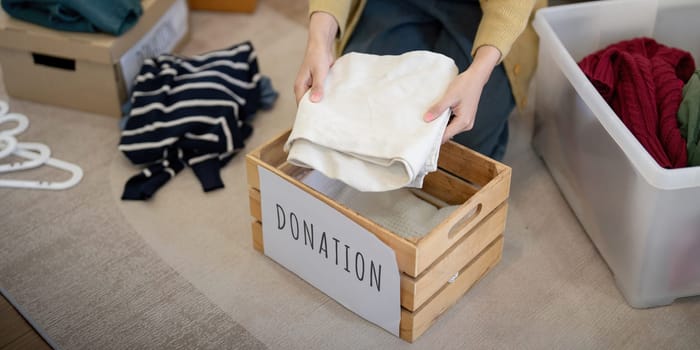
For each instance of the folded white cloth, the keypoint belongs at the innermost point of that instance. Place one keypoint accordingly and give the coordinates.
(400, 211)
(368, 130)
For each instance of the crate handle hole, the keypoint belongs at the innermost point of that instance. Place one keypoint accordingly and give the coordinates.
(53, 61)
(464, 221)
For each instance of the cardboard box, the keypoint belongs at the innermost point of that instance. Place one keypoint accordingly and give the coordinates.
(224, 5)
(437, 269)
(644, 219)
(86, 71)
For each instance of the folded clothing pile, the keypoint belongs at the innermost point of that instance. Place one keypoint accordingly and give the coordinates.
(400, 211)
(368, 130)
(109, 16)
(642, 81)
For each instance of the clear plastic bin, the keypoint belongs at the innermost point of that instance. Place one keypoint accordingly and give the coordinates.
(644, 219)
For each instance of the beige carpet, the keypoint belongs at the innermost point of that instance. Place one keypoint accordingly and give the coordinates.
(179, 271)
(75, 264)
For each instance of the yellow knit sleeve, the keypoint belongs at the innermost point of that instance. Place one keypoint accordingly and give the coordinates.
(339, 9)
(345, 12)
(502, 22)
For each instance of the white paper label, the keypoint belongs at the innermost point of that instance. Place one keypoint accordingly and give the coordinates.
(330, 251)
(162, 38)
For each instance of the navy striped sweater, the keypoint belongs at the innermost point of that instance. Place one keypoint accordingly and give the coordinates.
(189, 111)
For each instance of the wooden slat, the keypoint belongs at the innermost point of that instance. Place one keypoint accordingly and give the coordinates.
(447, 187)
(272, 152)
(251, 170)
(255, 207)
(416, 291)
(413, 324)
(468, 164)
(293, 170)
(446, 234)
(256, 228)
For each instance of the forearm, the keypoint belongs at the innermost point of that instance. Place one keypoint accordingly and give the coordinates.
(339, 9)
(485, 60)
(323, 29)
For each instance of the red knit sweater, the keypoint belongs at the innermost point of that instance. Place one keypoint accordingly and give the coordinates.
(642, 81)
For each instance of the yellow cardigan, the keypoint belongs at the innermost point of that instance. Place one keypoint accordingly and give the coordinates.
(506, 24)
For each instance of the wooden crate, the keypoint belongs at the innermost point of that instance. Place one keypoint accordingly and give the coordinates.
(438, 268)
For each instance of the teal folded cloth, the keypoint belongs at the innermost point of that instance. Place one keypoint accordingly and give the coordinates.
(109, 16)
(689, 118)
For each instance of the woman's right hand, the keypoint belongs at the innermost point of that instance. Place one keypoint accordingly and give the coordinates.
(319, 56)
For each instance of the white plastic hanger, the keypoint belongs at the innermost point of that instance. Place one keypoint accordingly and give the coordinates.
(42, 155)
(37, 154)
(7, 145)
(76, 171)
(7, 137)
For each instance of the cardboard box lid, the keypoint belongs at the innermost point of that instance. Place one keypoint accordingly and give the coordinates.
(97, 47)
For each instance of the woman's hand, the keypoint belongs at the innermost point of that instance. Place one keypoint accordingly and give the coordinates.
(319, 56)
(464, 92)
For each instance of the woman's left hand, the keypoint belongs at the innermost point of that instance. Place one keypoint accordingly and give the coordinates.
(464, 92)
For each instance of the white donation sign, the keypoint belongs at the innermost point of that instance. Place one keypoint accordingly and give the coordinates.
(330, 251)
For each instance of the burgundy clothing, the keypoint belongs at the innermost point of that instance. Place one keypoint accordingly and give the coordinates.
(642, 81)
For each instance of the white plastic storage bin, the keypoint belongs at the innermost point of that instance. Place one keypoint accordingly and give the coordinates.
(644, 219)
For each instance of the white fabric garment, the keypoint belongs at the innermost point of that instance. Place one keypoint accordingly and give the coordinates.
(399, 211)
(368, 130)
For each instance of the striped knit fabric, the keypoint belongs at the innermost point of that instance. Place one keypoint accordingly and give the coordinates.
(642, 81)
(189, 112)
